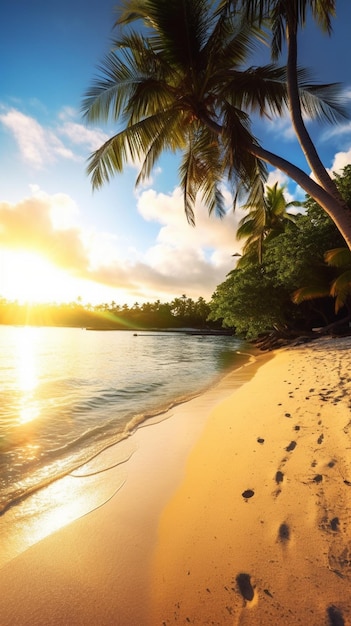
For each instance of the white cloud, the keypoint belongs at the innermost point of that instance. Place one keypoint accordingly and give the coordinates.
(339, 130)
(81, 135)
(195, 258)
(283, 127)
(37, 145)
(181, 260)
(341, 159)
(40, 145)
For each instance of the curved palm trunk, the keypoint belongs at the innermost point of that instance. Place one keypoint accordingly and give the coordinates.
(337, 211)
(303, 136)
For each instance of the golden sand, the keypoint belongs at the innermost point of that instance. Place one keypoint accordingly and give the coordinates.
(235, 511)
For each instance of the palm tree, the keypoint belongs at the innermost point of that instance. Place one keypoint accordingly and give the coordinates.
(182, 84)
(264, 221)
(285, 19)
(337, 287)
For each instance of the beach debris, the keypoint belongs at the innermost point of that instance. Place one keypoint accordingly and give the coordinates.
(320, 438)
(291, 446)
(245, 587)
(284, 532)
(335, 616)
(318, 478)
(260, 440)
(279, 477)
(268, 593)
(287, 414)
(248, 493)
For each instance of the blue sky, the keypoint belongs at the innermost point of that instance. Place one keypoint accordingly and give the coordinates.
(60, 241)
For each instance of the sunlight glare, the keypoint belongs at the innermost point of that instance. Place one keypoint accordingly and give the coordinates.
(30, 277)
(26, 364)
(27, 373)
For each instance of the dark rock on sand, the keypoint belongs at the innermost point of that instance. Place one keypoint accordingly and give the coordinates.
(291, 446)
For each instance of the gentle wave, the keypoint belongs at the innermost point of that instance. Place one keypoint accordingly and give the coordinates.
(88, 391)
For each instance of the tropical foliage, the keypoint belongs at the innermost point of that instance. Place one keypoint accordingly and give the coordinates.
(306, 265)
(181, 80)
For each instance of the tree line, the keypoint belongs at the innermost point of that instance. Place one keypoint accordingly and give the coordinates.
(182, 312)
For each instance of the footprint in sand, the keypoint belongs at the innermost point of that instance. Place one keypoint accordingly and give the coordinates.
(334, 524)
(279, 477)
(248, 493)
(284, 532)
(335, 616)
(245, 587)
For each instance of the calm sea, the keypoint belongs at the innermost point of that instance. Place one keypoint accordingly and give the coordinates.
(66, 394)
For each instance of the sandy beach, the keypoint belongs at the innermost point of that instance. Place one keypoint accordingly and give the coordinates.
(234, 510)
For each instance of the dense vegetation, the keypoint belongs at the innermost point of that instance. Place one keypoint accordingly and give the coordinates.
(297, 280)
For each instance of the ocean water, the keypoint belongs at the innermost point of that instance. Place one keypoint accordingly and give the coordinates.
(67, 394)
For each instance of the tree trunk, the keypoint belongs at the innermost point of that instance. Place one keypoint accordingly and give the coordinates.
(301, 132)
(339, 212)
(337, 209)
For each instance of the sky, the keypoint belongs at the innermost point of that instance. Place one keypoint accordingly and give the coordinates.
(59, 241)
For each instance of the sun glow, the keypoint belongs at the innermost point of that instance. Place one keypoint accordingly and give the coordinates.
(30, 277)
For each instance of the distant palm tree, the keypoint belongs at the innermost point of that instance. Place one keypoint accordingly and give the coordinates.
(264, 221)
(183, 83)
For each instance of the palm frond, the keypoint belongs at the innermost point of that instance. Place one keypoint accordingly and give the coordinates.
(143, 140)
(202, 163)
(338, 257)
(340, 289)
(310, 292)
(322, 102)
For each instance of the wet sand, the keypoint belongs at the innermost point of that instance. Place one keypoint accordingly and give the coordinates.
(236, 510)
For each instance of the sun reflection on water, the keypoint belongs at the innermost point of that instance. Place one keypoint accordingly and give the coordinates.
(27, 374)
(26, 349)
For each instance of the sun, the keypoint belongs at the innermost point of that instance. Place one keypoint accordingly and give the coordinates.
(28, 276)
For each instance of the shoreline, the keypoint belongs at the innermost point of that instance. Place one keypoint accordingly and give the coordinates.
(80, 491)
(245, 519)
